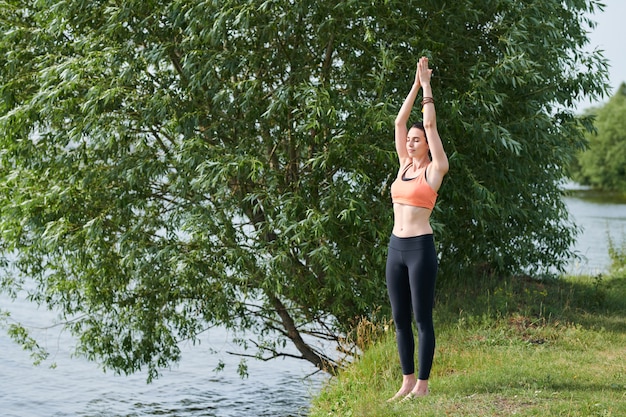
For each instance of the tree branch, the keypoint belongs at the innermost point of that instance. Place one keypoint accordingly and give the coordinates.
(293, 334)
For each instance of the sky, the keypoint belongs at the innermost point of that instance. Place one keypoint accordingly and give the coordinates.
(607, 36)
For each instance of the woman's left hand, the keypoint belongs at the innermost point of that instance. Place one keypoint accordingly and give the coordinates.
(423, 72)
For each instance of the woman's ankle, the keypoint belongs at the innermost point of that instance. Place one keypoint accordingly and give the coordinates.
(421, 387)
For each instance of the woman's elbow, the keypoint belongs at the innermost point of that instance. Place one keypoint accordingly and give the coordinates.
(429, 124)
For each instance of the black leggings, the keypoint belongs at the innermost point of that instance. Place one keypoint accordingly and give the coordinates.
(411, 274)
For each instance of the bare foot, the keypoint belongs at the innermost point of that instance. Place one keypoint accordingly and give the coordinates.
(419, 390)
(408, 384)
(412, 395)
(400, 394)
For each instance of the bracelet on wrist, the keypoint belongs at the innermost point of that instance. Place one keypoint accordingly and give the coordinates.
(427, 100)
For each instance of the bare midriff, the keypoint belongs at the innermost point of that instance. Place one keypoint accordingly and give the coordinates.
(411, 221)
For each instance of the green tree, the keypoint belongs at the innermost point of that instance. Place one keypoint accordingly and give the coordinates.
(169, 166)
(603, 164)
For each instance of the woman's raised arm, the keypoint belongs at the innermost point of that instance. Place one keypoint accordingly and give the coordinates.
(402, 119)
(439, 165)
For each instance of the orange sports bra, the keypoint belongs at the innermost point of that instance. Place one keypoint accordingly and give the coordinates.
(413, 191)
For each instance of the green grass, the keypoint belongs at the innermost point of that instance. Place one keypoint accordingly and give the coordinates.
(518, 347)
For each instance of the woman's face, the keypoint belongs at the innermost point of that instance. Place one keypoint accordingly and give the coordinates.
(416, 144)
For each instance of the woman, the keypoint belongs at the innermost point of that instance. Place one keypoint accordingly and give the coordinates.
(412, 260)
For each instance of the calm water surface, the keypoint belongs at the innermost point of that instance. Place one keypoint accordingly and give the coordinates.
(77, 387)
(276, 388)
(601, 217)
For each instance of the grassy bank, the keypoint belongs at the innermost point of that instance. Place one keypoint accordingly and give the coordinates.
(521, 347)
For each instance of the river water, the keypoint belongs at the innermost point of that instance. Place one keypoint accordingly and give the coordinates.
(602, 217)
(279, 388)
(76, 387)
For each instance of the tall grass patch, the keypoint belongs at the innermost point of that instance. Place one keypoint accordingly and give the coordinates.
(505, 347)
